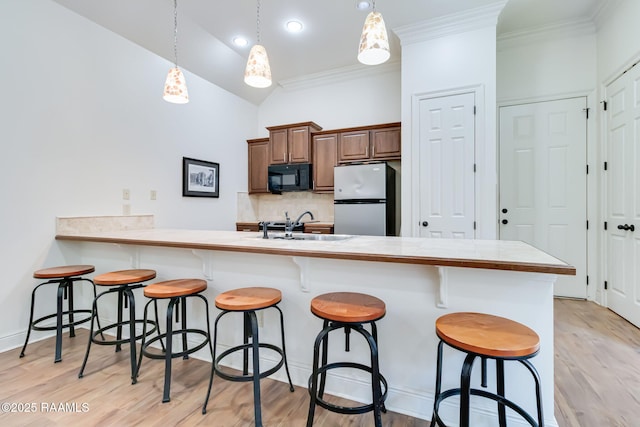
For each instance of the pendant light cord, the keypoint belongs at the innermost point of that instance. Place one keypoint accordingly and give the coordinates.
(175, 31)
(258, 24)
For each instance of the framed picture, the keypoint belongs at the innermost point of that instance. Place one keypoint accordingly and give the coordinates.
(200, 178)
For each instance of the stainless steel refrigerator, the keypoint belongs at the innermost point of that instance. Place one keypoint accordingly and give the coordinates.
(365, 200)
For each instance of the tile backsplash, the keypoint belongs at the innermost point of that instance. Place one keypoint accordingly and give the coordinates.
(271, 207)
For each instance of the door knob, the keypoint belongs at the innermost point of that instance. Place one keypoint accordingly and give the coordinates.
(504, 210)
(504, 221)
(425, 224)
(627, 227)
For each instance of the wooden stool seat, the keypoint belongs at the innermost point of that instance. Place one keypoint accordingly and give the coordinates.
(63, 271)
(487, 335)
(175, 288)
(124, 277)
(244, 299)
(348, 307)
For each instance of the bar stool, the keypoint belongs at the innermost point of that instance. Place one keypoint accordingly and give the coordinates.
(122, 283)
(487, 337)
(65, 276)
(348, 311)
(247, 301)
(177, 291)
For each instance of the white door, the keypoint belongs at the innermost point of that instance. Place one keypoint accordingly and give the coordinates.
(446, 166)
(623, 195)
(543, 183)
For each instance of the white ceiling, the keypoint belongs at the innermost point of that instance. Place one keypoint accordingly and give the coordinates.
(329, 40)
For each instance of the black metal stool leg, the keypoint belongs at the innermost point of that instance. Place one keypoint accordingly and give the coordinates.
(376, 390)
(284, 349)
(183, 302)
(69, 294)
(132, 332)
(33, 300)
(245, 337)
(94, 314)
(324, 355)
(257, 407)
(438, 385)
(502, 414)
(465, 389)
(213, 358)
(313, 387)
(61, 287)
(168, 350)
(536, 378)
(119, 316)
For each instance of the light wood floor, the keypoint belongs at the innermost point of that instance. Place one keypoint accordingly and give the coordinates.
(597, 371)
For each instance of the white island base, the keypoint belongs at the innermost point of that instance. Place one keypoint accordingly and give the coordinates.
(415, 295)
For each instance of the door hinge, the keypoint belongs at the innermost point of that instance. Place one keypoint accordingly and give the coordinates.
(474, 110)
(605, 166)
(605, 225)
(474, 225)
(587, 280)
(586, 110)
(587, 224)
(604, 105)
(474, 168)
(587, 169)
(606, 285)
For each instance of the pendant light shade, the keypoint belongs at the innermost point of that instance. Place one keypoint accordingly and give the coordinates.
(374, 43)
(175, 86)
(258, 73)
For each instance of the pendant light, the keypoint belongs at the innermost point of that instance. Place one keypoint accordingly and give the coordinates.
(258, 72)
(374, 42)
(175, 87)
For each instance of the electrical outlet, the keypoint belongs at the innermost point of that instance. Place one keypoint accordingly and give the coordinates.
(153, 194)
(126, 209)
(126, 195)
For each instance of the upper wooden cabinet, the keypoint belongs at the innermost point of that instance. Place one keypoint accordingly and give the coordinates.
(380, 142)
(258, 164)
(324, 159)
(291, 143)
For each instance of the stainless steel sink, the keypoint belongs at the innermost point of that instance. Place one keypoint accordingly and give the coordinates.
(308, 236)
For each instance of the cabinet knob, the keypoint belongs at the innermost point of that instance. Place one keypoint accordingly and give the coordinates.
(504, 210)
(425, 224)
(504, 221)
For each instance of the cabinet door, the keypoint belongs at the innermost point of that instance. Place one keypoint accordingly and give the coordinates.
(385, 143)
(324, 159)
(353, 146)
(299, 145)
(278, 150)
(258, 163)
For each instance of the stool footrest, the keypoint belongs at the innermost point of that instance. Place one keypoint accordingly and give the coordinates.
(35, 327)
(104, 341)
(174, 355)
(248, 377)
(486, 394)
(347, 409)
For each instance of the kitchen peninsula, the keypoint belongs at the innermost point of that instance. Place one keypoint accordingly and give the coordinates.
(419, 280)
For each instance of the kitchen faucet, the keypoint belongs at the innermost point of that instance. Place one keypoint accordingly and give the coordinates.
(289, 225)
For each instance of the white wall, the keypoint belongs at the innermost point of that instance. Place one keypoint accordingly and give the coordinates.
(359, 99)
(82, 118)
(552, 67)
(618, 35)
(443, 64)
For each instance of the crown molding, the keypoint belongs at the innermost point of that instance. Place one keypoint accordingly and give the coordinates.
(468, 20)
(559, 30)
(338, 75)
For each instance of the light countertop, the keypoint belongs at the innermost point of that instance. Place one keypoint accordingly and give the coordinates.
(486, 254)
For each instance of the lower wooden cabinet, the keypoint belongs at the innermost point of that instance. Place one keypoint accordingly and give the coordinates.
(318, 228)
(247, 226)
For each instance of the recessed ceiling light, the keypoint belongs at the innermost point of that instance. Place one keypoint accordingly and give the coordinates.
(294, 26)
(240, 41)
(363, 4)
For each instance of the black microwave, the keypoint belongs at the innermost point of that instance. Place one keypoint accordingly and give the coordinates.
(289, 178)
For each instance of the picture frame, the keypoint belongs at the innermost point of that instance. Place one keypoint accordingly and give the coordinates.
(200, 178)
